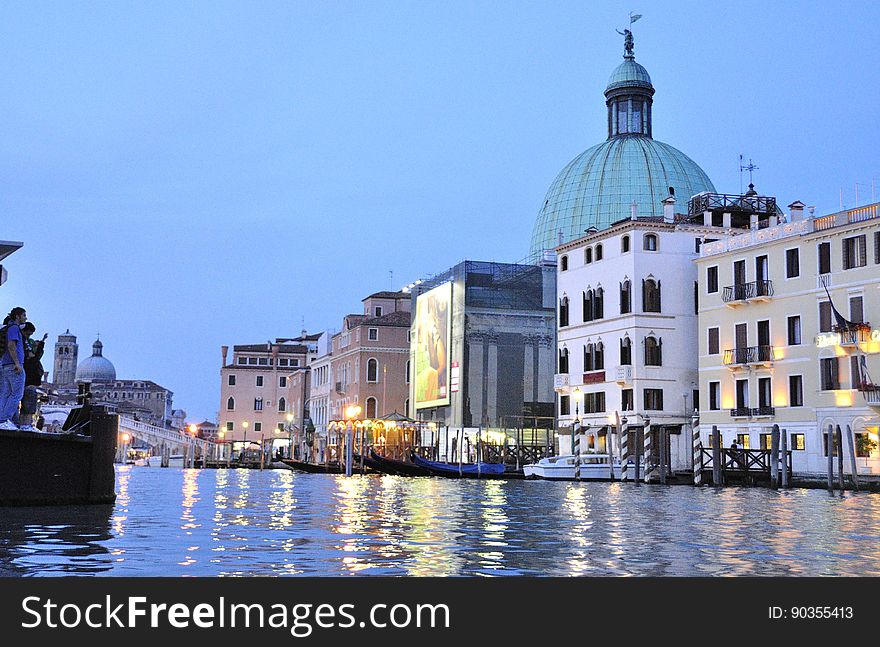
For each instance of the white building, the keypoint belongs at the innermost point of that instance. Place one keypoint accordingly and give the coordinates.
(627, 329)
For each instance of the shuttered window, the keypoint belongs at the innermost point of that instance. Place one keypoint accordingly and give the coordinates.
(854, 252)
(825, 316)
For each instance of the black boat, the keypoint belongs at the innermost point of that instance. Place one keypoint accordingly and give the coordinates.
(314, 468)
(399, 468)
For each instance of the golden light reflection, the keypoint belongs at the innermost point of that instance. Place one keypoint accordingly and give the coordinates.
(577, 505)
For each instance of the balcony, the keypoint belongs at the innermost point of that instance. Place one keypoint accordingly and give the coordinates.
(763, 412)
(852, 336)
(872, 395)
(734, 295)
(623, 375)
(560, 382)
(753, 412)
(748, 356)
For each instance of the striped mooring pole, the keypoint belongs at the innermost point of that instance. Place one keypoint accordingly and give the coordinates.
(577, 454)
(698, 452)
(649, 451)
(624, 448)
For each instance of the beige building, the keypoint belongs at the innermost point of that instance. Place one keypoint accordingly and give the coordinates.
(369, 363)
(772, 350)
(256, 391)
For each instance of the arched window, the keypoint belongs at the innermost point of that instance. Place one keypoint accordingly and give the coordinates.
(588, 255)
(624, 244)
(372, 370)
(653, 351)
(588, 357)
(282, 404)
(650, 242)
(563, 312)
(650, 295)
(625, 352)
(371, 408)
(563, 360)
(599, 357)
(230, 404)
(599, 304)
(258, 404)
(563, 263)
(625, 297)
(407, 371)
(588, 305)
(599, 252)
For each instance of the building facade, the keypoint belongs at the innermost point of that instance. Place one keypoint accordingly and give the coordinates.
(483, 345)
(368, 365)
(627, 316)
(256, 391)
(773, 351)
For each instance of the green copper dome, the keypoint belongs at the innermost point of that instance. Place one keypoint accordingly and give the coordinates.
(629, 73)
(598, 187)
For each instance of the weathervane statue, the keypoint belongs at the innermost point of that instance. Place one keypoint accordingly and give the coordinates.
(628, 37)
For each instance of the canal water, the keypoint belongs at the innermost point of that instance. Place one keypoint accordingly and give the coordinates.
(175, 522)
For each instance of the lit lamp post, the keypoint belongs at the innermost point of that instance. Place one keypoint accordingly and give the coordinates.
(351, 413)
(193, 431)
(220, 435)
(244, 426)
(577, 422)
(125, 439)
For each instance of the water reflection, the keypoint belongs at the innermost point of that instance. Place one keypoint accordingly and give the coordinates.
(277, 522)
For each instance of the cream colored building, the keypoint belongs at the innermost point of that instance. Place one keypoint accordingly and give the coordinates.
(258, 392)
(771, 348)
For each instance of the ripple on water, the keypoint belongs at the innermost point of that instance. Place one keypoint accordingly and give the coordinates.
(276, 522)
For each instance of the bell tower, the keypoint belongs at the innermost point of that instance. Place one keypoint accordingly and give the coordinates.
(66, 353)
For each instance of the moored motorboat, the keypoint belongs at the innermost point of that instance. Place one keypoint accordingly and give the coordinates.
(461, 470)
(593, 467)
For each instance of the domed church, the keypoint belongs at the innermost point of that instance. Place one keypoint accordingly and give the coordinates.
(598, 187)
(96, 368)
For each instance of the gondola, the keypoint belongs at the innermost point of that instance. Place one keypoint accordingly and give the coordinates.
(314, 468)
(400, 468)
(463, 470)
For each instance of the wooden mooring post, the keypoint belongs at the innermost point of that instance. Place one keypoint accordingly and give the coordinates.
(624, 448)
(774, 457)
(829, 449)
(839, 457)
(649, 450)
(716, 456)
(852, 457)
(638, 455)
(664, 443)
(697, 448)
(783, 447)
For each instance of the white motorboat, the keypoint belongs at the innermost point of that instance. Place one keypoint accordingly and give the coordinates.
(174, 460)
(593, 467)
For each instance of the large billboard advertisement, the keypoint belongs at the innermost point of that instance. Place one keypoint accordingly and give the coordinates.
(432, 335)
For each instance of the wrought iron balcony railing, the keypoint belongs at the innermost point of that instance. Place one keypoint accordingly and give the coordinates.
(752, 412)
(748, 355)
(746, 291)
(858, 333)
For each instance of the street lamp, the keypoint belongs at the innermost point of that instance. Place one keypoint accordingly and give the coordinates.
(577, 422)
(125, 439)
(244, 425)
(351, 413)
(193, 430)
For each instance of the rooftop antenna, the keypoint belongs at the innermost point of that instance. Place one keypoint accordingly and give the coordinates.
(748, 167)
(391, 278)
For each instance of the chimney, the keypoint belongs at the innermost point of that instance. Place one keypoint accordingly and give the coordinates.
(303, 333)
(633, 209)
(796, 211)
(669, 209)
(224, 350)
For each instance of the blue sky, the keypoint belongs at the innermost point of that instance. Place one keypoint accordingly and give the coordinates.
(191, 174)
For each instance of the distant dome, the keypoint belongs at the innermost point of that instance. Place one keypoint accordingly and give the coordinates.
(598, 187)
(96, 368)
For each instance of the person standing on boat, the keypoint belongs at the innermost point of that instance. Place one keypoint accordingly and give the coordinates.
(12, 367)
(33, 376)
